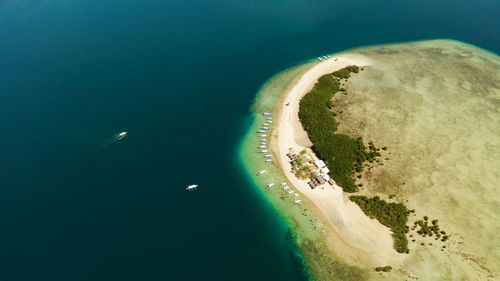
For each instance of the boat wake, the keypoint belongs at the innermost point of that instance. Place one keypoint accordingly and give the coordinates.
(113, 139)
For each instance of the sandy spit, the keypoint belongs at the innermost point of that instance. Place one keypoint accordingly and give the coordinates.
(354, 230)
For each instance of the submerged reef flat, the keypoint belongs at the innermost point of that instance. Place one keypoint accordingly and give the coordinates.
(432, 108)
(436, 106)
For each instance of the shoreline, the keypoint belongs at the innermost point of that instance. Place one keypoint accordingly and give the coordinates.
(325, 250)
(357, 232)
(306, 223)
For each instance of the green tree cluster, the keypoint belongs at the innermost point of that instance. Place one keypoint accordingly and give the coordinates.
(345, 72)
(387, 268)
(430, 230)
(392, 215)
(342, 154)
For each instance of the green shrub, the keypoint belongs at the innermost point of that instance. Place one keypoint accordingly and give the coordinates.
(387, 268)
(392, 215)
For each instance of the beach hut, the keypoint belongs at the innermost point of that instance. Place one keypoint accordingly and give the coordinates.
(325, 176)
(320, 179)
(319, 163)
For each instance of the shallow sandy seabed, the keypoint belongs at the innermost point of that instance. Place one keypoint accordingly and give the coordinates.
(436, 105)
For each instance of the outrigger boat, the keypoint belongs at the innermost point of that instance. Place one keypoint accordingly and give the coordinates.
(269, 185)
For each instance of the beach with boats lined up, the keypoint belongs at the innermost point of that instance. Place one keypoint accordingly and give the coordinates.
(354, 234)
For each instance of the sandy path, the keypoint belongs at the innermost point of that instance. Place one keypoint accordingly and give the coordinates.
(346, 218)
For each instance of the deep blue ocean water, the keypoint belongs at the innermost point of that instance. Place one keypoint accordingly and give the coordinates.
(180, 77)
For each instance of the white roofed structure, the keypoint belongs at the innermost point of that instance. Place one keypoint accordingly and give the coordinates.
(319, 163)
(326, 177)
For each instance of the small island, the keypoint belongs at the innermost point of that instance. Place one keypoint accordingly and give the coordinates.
(358, 164)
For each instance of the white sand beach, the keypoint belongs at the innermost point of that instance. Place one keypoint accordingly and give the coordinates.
(356, 230)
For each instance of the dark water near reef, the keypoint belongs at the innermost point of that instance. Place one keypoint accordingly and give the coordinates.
(180, 77)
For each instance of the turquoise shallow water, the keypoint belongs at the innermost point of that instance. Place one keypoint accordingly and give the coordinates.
(180, 77)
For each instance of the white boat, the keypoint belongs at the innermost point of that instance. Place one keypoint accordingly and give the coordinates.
(296, 202)
(263, 146)
(284, 183)
(261, 131)
(265, 125)
(192, 187)
(291, 191)
(265, 128)
(122, 135)
(268, 156)
(269, 160)
(263, 136)
(269, 185)
(320, 59)
(264, 151)
(270, 121)
(296, 195)
(286, 187)
(261, 172)
(266, 114)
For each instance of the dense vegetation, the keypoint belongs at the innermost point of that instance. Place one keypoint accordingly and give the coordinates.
(345, 156)
(345, 72)
(342, 154)
(392, 215)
